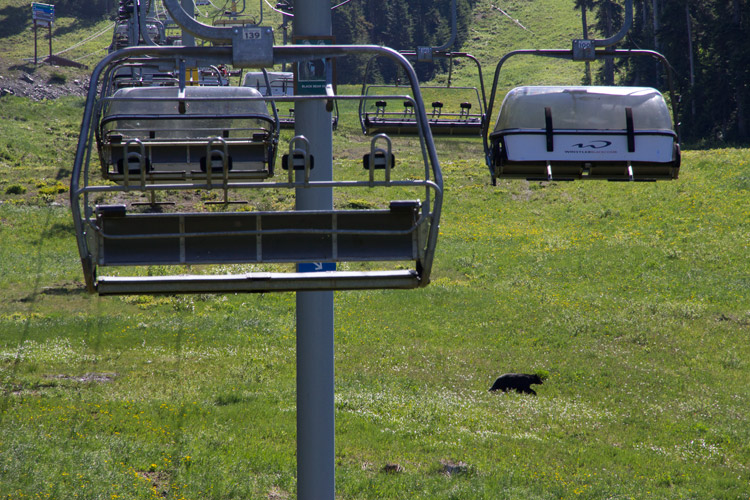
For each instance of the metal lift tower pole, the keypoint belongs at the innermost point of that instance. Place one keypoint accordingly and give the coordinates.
(188, 39)
(315, 405)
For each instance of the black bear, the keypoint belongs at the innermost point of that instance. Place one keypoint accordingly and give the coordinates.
(520, 382)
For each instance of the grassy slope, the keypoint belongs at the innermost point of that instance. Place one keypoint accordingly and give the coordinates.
(633, 297)
(17, 34)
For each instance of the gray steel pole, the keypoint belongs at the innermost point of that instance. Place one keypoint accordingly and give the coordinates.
(188, 40)
(315, 372)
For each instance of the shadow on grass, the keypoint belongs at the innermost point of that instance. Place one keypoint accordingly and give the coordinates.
(66, 290)
(72, 289)
(59, 229)
(63, 173)
(27, 67)
(17, 20)
(80, 24)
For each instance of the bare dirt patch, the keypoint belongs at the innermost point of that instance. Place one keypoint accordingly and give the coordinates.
(87, 378)
(41, 81)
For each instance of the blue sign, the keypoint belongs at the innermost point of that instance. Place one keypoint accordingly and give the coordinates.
(316, 267)
(43, 8)
(42, 12)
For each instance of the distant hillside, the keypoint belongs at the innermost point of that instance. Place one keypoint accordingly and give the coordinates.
(486, 30)
(711, 84)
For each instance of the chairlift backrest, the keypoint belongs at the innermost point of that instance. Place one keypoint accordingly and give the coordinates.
(199, 111)
(282, 82)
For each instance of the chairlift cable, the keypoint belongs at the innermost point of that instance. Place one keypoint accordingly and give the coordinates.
(214, 5)
(516, 21)
(278, 10)
(292, 15)
(339, 5)
(96, 35)
(89, 54)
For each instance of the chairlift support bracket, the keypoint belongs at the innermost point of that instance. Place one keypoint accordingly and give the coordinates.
(427, 54)
(585, 49)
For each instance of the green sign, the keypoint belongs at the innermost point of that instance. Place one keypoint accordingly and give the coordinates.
(312, 75)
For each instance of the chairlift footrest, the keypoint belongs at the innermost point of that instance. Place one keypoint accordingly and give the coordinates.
(259, 282)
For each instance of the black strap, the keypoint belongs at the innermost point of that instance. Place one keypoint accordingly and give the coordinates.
(548, 126)
(631, 129)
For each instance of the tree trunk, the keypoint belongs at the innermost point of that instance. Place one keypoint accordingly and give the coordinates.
(656, 12)
(656, 26)
(739, 94)
(736, 17)
(609, 63)
(587, 75)
(691, 60)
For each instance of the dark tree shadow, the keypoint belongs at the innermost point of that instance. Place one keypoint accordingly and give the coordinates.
(78, 25)
(17, 20)
(63, 173)
(25, 67)
(59, 229)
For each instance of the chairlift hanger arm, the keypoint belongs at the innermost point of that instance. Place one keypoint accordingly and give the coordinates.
(195, 28)
(452, 39)
(623, 30)
(143, 26)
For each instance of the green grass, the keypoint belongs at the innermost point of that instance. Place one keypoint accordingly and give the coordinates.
(633, 298)
(68, 36)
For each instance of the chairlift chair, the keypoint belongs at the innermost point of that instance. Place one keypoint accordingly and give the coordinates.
(382, 114)
(123, 33)
(583, 132)
(169, 143)
(139, 73)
